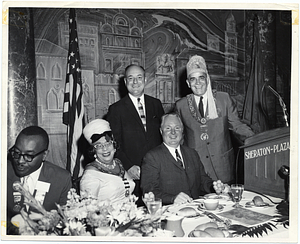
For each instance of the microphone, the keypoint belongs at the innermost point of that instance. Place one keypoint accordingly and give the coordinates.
(29, 199)
(285, 170)
(282, 104)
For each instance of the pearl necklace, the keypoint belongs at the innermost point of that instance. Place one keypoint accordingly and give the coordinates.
(108, 166)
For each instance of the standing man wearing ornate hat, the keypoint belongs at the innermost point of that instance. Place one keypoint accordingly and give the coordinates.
(135, 122)
(208, 116)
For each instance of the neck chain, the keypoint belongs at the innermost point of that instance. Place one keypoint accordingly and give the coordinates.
(108, 166)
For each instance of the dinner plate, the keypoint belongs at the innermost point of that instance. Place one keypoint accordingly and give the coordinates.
(176, 210)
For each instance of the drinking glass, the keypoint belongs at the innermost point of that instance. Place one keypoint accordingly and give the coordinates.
(155, 209)
(237, 193)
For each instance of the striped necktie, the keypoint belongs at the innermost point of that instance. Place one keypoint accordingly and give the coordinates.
(201, 107)
(142, 113)
(179, 160)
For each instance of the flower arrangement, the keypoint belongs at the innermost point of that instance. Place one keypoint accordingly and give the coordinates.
(84, 216)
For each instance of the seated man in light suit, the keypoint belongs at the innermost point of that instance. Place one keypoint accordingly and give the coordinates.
(48, 183)
(174, 177)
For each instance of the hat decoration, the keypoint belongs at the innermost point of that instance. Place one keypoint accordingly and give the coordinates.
(196, 64)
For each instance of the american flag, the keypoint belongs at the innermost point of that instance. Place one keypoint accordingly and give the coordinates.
(255, 106)
(73, 113)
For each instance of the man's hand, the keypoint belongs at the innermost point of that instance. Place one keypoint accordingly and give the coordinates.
(134, 172)
(182, 198)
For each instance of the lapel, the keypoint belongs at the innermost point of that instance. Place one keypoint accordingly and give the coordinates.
(148, 108)
(133, 112)
(43, 174)
(170, 158)
(185, 156)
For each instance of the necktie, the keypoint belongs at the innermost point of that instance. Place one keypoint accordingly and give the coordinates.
(142, 113)
(179, 160)
(201, 107)
(28, 184)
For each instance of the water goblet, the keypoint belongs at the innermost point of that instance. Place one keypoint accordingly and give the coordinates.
(237, 193)
(148, 197)
(155, 210)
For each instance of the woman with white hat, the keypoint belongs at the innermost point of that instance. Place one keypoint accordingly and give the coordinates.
(105, 177)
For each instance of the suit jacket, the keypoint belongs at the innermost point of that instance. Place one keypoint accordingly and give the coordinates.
(129, 131)
(216, 152)
(162, 174)
(60, 184)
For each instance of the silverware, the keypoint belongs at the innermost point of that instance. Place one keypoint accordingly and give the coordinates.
(211, 215)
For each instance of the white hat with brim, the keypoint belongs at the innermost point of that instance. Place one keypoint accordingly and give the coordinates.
(97, 126)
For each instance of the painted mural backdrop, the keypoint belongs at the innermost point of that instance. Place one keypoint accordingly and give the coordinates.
(161, 40)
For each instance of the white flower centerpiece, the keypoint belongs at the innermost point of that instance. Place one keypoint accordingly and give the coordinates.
(85, 216)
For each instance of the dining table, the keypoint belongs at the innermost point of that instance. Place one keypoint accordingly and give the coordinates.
(256, 218)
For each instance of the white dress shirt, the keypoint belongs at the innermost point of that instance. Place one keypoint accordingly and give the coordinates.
(135, 103)
(204, 101)
(31, 180)
(172, 151)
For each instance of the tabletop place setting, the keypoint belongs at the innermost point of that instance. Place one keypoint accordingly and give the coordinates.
(234, 212)
(225, 214)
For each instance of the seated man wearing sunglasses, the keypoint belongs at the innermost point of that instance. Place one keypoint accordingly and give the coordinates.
(46, 182)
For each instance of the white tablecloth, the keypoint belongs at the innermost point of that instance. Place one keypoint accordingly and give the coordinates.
(188, 224)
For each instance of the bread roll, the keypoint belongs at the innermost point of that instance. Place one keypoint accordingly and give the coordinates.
(214, 232)
(200, 233)
(206, 225)
(227, 234)
(187, 212)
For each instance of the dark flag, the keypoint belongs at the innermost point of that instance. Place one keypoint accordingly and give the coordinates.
(73, 114)
(254, 111)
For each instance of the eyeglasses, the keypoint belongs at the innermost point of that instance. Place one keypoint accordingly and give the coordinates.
(27, 157)
(103, 145)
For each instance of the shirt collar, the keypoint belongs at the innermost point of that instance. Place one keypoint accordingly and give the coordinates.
(197, 98)
(35, 175)
(134, 99)
(34, 178)
(172, 149)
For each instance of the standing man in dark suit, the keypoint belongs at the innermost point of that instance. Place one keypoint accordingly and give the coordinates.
(171, 171)
(48, 183)
(135, 122)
